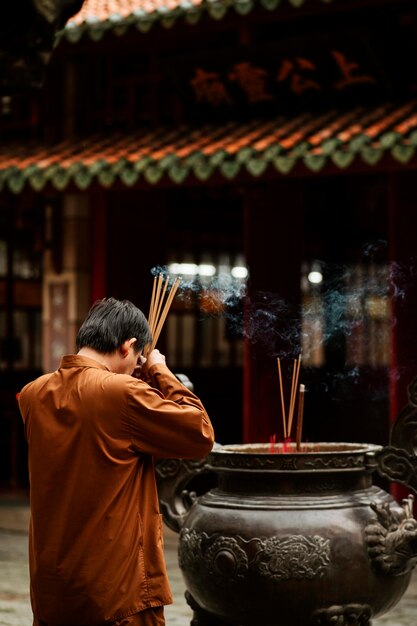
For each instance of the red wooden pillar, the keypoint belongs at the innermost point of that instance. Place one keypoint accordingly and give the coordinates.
(403, 260)
(274, 249)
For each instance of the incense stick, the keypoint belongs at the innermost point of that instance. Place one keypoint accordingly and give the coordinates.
(159, 304)
(165, 312)
(284, 420)
(157, 318)
(152, 315)
(300, 417)
(287, 423)
(292, 398)
(152, 304)
(296, 373)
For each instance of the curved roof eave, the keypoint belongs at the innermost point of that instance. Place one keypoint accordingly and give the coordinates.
(342, 140)
(95, 21)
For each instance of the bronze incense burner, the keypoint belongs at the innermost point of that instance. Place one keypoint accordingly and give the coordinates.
(294, 538)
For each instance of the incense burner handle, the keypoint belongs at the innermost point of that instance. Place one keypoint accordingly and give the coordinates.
(398, 461)
(391, 538)
(180, 482)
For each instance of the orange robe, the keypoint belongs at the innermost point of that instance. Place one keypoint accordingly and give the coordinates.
(95, 537)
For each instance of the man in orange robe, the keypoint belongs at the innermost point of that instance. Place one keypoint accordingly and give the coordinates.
(95, 538)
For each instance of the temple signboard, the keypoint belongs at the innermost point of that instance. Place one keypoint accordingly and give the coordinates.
(294, 75)
(345, 68)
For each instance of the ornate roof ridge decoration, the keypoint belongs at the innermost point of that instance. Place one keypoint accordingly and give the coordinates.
(310, 142)
(98, 17)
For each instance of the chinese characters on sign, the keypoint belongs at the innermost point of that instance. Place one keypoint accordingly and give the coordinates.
(209, 88)
(299, 75)
(252, 80)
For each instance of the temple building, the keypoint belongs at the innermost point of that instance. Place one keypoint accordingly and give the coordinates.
(264, 150)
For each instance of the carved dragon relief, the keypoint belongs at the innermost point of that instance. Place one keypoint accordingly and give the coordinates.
(391, 536)
(346, 615)
(392, 539)
(276, 558)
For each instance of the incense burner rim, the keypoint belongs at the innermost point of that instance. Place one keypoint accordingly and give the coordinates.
(289, 449)
(346, 458)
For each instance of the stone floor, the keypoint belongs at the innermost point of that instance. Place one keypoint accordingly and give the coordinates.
(14, 599)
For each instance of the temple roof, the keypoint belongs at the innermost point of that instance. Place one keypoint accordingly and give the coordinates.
(304, 143)
(99, 16)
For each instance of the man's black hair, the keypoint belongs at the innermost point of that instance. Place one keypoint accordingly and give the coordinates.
(110, 323)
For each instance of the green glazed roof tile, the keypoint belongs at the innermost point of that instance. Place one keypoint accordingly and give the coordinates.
(60, 180)
(342, 159)
(314, 162)
(371, 156)
(403, 154)
(231, 149)
(83, 179)
(256, 167)
(106, 178)
(153, 174)
(230, 169)
(178, 173)
(413, 138)
(284, 165)
(16, 183)
(203, 171)
(37, 181)
(129, 177)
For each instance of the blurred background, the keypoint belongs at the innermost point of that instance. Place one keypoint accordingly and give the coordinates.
(263, 150)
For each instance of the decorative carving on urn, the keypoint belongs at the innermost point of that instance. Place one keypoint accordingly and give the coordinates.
(277, 558)
(295, 556)
(225, 558)
(172, 467)
(190, 553)
(392, 542)
(333, 462)
(222, 557)
(347, 615)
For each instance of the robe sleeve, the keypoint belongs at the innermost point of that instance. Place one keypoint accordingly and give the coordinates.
(166, 419)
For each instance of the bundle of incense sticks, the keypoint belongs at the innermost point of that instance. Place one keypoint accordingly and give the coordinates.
(287, 420)
(161, 301)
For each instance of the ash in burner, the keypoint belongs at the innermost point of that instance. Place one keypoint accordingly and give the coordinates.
(290, 448)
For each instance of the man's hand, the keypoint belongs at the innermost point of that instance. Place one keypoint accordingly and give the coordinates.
(153, 357)
(141, 370)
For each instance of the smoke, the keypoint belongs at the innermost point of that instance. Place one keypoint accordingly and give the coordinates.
(371, 250)
(349, 300)
(271, 324)
(228, 290)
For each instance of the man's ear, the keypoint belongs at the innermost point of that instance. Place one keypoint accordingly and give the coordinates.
(126, 345)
